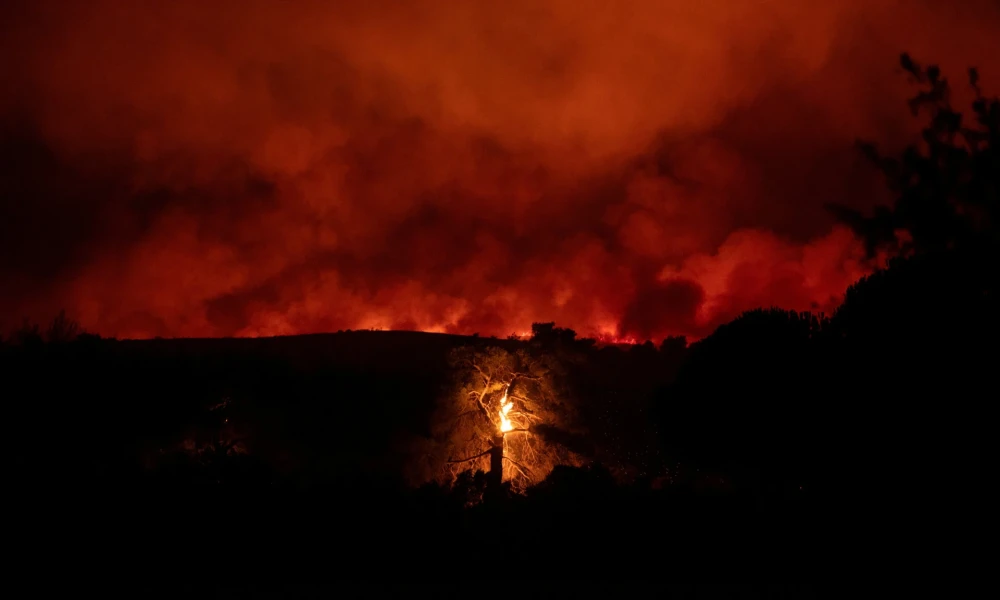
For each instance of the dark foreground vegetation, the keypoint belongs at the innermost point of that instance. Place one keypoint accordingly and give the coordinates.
(786, 441)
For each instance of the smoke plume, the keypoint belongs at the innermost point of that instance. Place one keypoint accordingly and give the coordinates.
(633, 169)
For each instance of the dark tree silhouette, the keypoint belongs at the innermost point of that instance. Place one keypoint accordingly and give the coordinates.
(746, 397)
(889, 389)
(62, 329)
(947, 186)
(547, 334)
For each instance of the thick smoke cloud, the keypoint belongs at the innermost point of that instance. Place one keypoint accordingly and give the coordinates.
(637, 169)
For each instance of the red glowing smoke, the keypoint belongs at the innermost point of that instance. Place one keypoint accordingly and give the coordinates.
(258, 168)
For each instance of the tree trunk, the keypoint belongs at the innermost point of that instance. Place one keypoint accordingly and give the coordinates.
(494, 481)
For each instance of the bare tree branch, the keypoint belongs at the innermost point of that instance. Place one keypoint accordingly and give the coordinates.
(481, 404)
(481, 372)
(524, 470)
(524, 376)
(480, 455)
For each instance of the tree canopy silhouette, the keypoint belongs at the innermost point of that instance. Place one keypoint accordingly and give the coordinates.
(747, 397)
(947, 185)
(881, 393)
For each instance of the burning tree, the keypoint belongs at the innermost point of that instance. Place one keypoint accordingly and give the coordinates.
(501, 416)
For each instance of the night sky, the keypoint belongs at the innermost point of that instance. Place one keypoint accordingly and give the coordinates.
(632, 169)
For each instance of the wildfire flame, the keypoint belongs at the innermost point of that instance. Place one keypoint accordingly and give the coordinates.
(505, 406)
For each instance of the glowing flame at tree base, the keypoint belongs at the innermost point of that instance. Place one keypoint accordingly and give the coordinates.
(497, 449)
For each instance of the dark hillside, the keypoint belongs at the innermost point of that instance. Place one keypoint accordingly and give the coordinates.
(318, 407)
(314, 409)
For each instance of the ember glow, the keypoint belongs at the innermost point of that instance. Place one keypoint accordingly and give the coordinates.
(258, 167)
